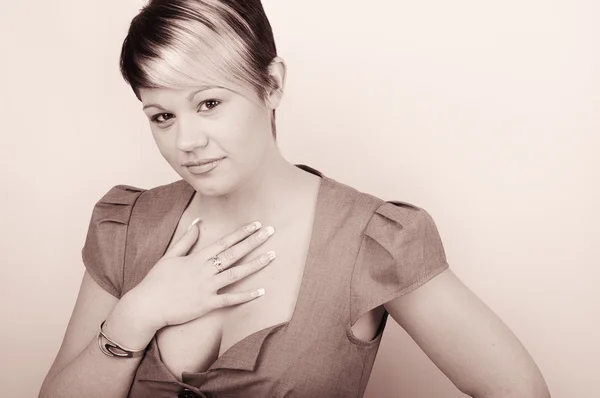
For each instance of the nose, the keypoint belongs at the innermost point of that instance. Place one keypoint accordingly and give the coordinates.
(190, 135)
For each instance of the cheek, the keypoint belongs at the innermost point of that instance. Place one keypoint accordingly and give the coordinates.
(165, 145)
(251, 138)
(241, 132)
(255, 126)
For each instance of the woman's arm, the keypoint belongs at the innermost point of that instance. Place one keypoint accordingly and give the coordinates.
(179, 288)
(467, 341)
(80, 368)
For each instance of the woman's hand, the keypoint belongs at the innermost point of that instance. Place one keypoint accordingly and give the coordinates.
(182, 287)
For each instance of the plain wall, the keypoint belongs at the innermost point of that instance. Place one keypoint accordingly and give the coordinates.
(486, 114)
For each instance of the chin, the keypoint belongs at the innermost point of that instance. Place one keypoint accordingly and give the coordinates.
(210, 186)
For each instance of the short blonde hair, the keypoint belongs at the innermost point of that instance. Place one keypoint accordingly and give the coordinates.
(184, 43)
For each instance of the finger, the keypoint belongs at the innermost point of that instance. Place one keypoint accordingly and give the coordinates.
(229, 299)
(186, 241)
(229, 240)
(241, 271)
(234, 253)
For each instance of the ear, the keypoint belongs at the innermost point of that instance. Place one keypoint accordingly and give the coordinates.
(277, 71)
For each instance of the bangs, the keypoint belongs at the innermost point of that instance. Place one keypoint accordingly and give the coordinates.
(171, 46)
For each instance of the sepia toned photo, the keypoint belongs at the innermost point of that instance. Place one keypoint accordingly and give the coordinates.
(271, 199)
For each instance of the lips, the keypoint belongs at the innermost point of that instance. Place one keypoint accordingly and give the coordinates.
(201, 162)
(203, 168)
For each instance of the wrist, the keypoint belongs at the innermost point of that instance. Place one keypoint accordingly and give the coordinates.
(131, 323)
(112, 348)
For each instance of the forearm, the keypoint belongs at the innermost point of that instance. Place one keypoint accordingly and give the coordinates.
(538, 391)
(92, 374)
(493, 395)
(95, 374)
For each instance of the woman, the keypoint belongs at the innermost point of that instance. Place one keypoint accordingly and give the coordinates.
(185, 295)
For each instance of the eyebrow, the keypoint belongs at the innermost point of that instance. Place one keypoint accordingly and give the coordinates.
(189, 97)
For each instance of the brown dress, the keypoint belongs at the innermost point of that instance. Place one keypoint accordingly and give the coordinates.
(363, 252)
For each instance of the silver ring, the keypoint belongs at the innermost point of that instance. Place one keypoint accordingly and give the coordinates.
(216, 261)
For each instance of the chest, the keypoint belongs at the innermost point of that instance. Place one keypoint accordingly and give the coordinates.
(194, 346)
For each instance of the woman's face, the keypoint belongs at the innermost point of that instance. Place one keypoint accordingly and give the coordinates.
(208, 122)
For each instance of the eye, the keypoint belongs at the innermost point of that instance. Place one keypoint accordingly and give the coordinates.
(161, 118)
(209, 105)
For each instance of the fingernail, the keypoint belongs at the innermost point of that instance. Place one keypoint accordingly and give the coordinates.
(193, 223)
(265, 233)
(253, 227)
(268, 256)
(257, 293)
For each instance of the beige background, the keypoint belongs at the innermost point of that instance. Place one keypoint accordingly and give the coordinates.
(484, 113)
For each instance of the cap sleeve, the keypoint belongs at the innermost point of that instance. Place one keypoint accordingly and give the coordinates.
(400, 251)
(103, 252)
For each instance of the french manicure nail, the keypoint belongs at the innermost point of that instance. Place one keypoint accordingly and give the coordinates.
(193, 223)
(268, 256)
(253, 227)
(257, 293)
(265, 233)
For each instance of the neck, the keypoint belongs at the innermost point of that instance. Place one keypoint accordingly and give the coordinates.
(267, 196)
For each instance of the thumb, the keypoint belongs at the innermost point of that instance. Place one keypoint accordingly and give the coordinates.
(186, 241)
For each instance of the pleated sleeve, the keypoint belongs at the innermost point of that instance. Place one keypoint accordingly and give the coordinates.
(103, 252)
(400, 251)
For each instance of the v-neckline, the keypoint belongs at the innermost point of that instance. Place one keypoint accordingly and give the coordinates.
(308, 265)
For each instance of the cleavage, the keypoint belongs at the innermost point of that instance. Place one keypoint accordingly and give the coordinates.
(196, 345)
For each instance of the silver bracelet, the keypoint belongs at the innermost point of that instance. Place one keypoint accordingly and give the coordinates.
(114, 349)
